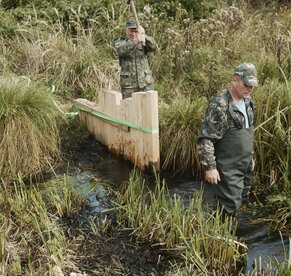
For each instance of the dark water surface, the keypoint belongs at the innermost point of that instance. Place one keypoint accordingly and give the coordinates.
(93, 162)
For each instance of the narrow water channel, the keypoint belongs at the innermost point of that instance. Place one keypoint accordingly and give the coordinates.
(93, 161)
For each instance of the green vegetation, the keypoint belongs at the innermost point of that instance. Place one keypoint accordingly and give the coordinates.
(195, 60)
(206, 244)
(32, 239)
(272, 135)
(179, 132)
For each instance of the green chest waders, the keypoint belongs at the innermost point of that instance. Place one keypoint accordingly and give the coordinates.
(233, 161)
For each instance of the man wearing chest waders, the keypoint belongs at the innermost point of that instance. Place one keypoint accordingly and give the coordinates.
(225, 141)
(135, 74)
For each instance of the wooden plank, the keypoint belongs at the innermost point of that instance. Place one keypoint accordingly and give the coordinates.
(139, 135)
(125, 146)
(154, 151)
(131, 151)
(150, 120)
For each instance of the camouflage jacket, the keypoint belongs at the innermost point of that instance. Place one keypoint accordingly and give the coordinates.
(221, 115)
(135, 71)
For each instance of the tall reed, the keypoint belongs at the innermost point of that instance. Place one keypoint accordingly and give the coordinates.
(196, 59)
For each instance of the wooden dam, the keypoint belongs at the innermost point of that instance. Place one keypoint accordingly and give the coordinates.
(129, 127)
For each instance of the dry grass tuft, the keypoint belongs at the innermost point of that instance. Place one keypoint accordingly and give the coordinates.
(29, 133)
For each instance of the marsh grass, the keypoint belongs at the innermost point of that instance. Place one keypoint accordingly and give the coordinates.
(29, 132)
(32, 240)
(272, 144)
(63, 199)
(179, 125)
(201, 240)
(280, 220)
(272, 134)
(78, 64)
(197, 60)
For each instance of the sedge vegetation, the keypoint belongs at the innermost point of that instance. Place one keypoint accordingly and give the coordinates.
(29, 132)
(204, 243)
(180, 131)
(33, 241)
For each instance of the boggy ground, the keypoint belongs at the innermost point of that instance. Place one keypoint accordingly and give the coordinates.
(113, 252)
(118, 254)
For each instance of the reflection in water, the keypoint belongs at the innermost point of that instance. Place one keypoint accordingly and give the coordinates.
(89, 167)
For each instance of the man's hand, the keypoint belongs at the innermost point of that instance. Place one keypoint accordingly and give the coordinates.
(141, 34)
(212, 176)
(135, 38)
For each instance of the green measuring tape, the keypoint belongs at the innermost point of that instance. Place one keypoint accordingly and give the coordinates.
(118, 121)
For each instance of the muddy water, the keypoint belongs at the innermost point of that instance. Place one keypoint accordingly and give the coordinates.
(93, 162)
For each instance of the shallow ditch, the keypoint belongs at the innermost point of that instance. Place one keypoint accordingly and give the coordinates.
(118, 253)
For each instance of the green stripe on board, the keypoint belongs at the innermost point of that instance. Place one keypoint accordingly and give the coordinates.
(118, 121)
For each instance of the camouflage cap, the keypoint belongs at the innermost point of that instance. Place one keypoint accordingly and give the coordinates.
(131, 24)
(248, 73)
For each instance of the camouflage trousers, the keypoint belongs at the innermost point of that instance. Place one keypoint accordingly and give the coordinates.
(127, 92)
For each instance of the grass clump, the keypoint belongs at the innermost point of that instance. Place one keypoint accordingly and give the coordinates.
(29, 133)
(179, 125)
(204, 242)
(272, 151)
(63, 199)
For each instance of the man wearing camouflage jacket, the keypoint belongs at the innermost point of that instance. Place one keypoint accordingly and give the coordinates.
(135, 74)
(225, 141)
